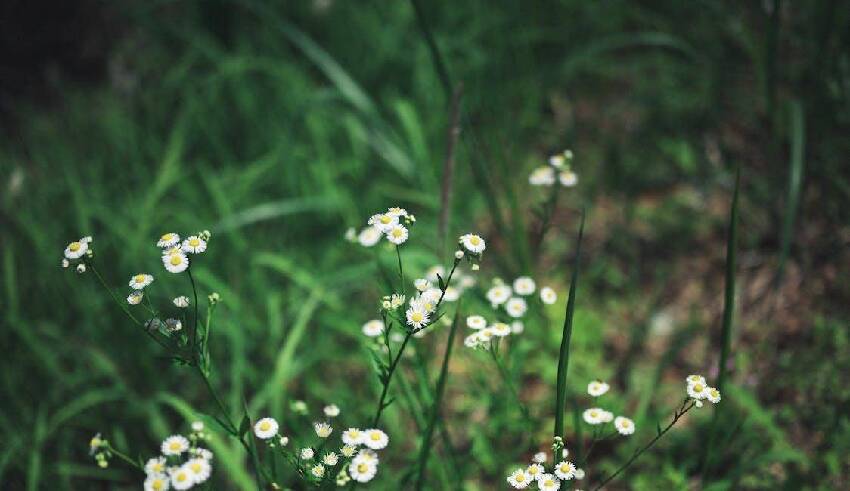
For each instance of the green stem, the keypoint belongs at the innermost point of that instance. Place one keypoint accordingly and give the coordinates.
(506, 378)
(401, 270)
(385, 390)
(125, 458)
(195, 320)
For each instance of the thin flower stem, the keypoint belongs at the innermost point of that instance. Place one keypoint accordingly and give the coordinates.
(503, 372)
(195, 320)
(385, 390)
(593, 443)
(125, 458)
(687, 405)
(401, 270)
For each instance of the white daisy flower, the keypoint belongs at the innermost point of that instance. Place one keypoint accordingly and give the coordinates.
(557, 161)
(539, 457)
(140, 281)
(452, 294)
(397, 234)
(593, 416)
(181, 478)
(535, 471)
(698, 391)
(383, 221)
(181, 302)
(548, 295)
(472, 341)
(330, 459)
(353, 437)
(369, 236)
(624, 425)
(542, 176)
(168, 240)
(519, 479)
(416, 317)
(476, 322)
(362, 470)
(567, 178)
(265, 428)
(202, 453)
(548, 482)
(565, 470)
(331, 410)
(524, 286)
(579, 474)
(174, 445)
(397, 212)
(695, 379)
(173, 325)
(517, 327)
(458, 254)
(175, 262)
(607, 416)
(155, 465)
(713, 395)
(500, 329)
(307, 453)
(376, 439)
(194, 245)
(422, 284)
(76, 249)
(323, 430)
(318, 470)
(597, 388)
(135, 298)
(516, 307)
(373, 328)
(473, 243)
(156, 482)
(396, 300)
(200, 469)
(348, 450)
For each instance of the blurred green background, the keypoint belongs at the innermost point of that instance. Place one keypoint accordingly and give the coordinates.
(278, 125)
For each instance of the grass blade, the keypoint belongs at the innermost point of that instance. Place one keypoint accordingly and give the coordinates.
(564, 357)
(425, 446)
(729, 294)
(795, 182)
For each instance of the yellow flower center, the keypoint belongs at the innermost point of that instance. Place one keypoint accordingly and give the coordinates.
(549, 483)
(74, 246)
(265, 426)
(375, 437)
(167, 237)
(532, 470)
(158, 485)
(594, 414)
(416, 317)
(196, 467)
(139, 278)
(699, 387)
(175, 260)
(158, 467)
(194, 242)
(474, 240)
(565, 468)
(520, 478)
(175, 446)
(396, 232)
(182, 477)
(385, 219)
(714, 393)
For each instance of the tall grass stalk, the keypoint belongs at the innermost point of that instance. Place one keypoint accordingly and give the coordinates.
(795, 183)
(564, 357)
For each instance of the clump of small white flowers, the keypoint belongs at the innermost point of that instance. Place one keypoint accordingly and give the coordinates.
(181, 302)
(597, 388)
(266, 428)
(559, 164)
(392, 224)
(536, 472)
(76, 253)
(699, 390)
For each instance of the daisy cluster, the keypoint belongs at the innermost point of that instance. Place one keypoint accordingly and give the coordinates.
(597, 416)
(558, 170)
(175, 253)
(699, 390)
(536, 473)
(356, 458)
(182, 463)
(392, 224)
(76, 253)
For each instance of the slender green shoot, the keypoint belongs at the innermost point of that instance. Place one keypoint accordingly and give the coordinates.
(795, 183)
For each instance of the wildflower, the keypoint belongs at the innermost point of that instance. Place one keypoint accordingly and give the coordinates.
(567, 178)
(200, 469)
(168, 240)
(539, 457)
(524, 286)
(713, 395)
(265, 428)
(214, 298)
(174, 445)
(65, 263)
(565, 470)
(202, 453)
(535, 471)
(331, 410)
(194, 245)
(458, 254)
(383, 221)
(473, 341)
(542, 176)
(396, 300)
(548, 295)
(516, 307)
(155, 465)
(373, 328)
(597, 388)
(548, 482)
(348, 450)
(362, 470)
(452, 294)
(422, 284)
(376, 439)
(284, 441)
(323, 430)
(135, 298)
(397, 212)
(318, 470)
(397, 234)
(417, 317)
(330, 459)
(299, 407)
(156, 482)
(351, 234)
(624, 425)
(307, 453)
(175, 262)
(500, 329)
(198, 426)
(698, 391)
(173, 325)
(695, 379)
(369, 236)
(95, 443)
(140, 281)
(579, 474)
(77, 249)
(181, 478)
(472, 243)
(517, 327)
(476, 322)
(81, 268)
(519, 479)
(606, 416)
(593, 416)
